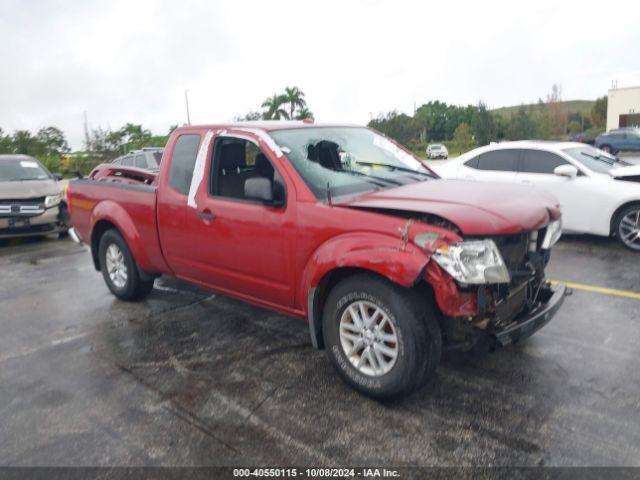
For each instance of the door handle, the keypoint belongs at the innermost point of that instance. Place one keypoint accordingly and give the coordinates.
(528, 182)
(206, 215)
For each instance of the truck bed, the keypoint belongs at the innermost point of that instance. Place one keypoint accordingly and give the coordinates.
(127, 203)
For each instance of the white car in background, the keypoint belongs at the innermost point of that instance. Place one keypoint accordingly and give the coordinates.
(437, 150)
(598, 193)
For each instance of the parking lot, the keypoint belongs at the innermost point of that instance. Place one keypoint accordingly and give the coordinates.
(187, 377)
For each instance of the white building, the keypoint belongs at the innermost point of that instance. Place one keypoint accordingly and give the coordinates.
(623, 107)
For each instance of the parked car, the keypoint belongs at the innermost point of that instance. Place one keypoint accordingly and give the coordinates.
(599, 194)
(148, 158)
(31, 200)
(620, 140)
(584, 137)
(336, 225)
(437, 150)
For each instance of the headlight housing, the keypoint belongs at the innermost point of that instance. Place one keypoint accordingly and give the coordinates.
(473, 262)
(52, 200)
(554, 232)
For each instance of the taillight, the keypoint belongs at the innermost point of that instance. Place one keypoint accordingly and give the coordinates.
(68, 196)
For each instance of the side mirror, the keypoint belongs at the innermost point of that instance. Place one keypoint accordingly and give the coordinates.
(568, 171)
(258, 188)
(57, 176)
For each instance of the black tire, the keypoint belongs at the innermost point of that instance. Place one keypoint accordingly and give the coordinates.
(64, 220)
(419, 346)
(621, 230)
(134, 287)
(608, 149)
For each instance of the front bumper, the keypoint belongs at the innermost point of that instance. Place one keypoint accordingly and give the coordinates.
(46, 223)
(527, 324)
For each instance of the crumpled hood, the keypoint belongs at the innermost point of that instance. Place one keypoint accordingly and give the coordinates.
(477, 208)
(630, 171)
(28, 189)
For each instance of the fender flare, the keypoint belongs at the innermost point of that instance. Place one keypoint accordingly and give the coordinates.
(114, 213)
(398, 261)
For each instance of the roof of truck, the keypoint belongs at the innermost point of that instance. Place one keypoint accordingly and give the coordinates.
(270, 125)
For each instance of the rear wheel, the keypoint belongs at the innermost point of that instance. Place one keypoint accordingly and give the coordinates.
(628, 227)
(383, 340)
(119, 269)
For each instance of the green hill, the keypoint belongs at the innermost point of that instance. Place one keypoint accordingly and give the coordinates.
(573, 106)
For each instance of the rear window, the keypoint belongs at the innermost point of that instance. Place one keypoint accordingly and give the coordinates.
(183, 162)
(140, 161)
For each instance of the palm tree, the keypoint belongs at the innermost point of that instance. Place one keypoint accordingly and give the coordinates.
(274, 108)
(304, 113)
(295, 98)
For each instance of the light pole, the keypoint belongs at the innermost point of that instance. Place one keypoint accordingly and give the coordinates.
(186, 101)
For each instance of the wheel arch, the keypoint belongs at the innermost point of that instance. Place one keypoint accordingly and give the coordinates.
(100, 227)
(109, 214)
(617, 212)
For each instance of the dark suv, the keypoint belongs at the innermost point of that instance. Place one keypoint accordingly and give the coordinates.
(619, 140)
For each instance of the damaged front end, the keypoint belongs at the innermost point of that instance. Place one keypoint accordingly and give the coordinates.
(504, 301)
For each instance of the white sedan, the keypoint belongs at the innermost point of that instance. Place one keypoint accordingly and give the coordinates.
(598, 193)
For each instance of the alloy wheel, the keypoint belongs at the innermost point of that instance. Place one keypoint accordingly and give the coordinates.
(116, 266)
(629, 229)
(368, 338)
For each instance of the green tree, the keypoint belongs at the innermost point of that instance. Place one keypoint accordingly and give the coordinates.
(52, 142)
(274, 108)
(462, 137)
(248, 117)
(304, 113)
(395, 125)
(521, 125)
(483, 125)
(6, 145)
(25, 143)
(599, 113)
(294, 97)
(430, 121)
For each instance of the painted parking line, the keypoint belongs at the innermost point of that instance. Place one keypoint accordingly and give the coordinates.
(602, 290)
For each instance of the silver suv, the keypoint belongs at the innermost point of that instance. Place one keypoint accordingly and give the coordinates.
(147, 158)
(31, 199)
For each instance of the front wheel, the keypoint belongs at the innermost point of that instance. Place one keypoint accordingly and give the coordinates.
(383, 340)
(119, 269)
(628, 227)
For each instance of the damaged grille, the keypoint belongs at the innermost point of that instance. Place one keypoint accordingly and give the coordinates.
(32, 206)
(525, 261)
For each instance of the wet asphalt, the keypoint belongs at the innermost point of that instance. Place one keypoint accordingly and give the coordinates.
(187, 377)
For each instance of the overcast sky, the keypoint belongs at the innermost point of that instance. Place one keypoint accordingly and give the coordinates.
(130, 61)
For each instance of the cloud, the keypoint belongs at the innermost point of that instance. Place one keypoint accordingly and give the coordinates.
(131, 61)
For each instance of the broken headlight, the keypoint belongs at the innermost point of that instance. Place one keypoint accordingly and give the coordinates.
(52, 200)
(473, 262)
(554, 232)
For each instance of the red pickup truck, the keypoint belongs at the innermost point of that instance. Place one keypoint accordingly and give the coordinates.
(335, 224)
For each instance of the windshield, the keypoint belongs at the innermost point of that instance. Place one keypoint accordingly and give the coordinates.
(16, 169)
(595, 159)
(348, 160)
(435, 147)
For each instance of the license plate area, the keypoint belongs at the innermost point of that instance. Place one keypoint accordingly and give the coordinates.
(19, 223)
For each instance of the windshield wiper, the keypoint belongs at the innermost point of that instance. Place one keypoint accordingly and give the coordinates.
(608, 160)
(373, 178)
(399, 169)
